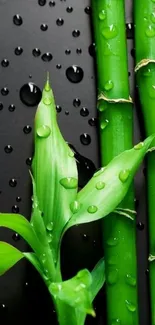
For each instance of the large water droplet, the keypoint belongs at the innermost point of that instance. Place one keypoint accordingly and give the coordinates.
(36, 52)
(75, 206)
(8, 149)
(139, 146)
(13, 182)
(99, 172)
(30, 94)
(130, 306)
(85, 139)
(112, 241)
(76, 102)
(74, 74)
(43, 131)
(50, 226)
(109, 32)
(102, 15)
(91, 49)
(93, 121)
(108, 85)
(16, 237)
(112, 276)
(5, 63)
(47, 57)
(116, 322)
(150, 31)
(84, 111)
(92, 209)
(124, 175)
(104, 124)
(27, 129)
(69, 182)
(152, 91)
(17, 20)
(59, 21)
(100, 185)
(131, 280)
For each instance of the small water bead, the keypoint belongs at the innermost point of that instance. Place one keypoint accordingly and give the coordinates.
(102, 105)
(1, 106)
(17, 20)
(84, 112)
(52, 3)
(4, 91)
(50, 226)
(139, 146)
(109, 32)
(85, 138)
(5, 63)
(43, 131)
(108, 85)
(30, 94)
(130, 30)
(47, 57)
(15, 209)
(130, 306)
(140, 225)
(11, 107)
(18, 198)
(112, 276)
(69, 182)
(131, 280)
(18, 50)
(99, 172)
(92, 209)
(41, 2)
(29, 161)
(116, 322)
(58, 108)
(59, 21)
(150, 31)
(13, 182)
(74, 74)
(76, 102)
(27, 129)
(100, 185)
(16, 237)
(78, 50)
(85, 237)
(88, 10)
(124, 175)
(44, 27)
(92, 121)
(36, 52)
(112, 241)
(75, 206)
(49, 237)
(102, 15)
(91, 49)
(76, 33)
(69, 9)
(68, 51)
(8, 148)
(104, 124)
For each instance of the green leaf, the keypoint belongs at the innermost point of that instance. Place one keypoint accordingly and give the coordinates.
(54, 168)
(108, 186)
(98, 278)
(75, 292)
(9, 256)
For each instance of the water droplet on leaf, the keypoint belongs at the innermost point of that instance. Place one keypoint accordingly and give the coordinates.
(75, 206)
(74, 74)
(69, 182)
(124, 175)
(30, 94)
(49, 226)
(130, 306)
(43, 131)
(116, 322)
(99, 172)
(139, 145)
(104, 124)
(100, 185)
(92, 209)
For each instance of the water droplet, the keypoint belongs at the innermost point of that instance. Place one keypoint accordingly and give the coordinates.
(27, 129)
(108, 85)
(112, 241)
(88, 10)
(129, 31)
(150, 31)
(140, 225)
(85, 237)
(66, 112)
(112, 276)
(109, 32)
(1, 106)
(99, 172)
(100, 185)
(50, 226)
(18, 50)
(102, 105)
(41, 2)
(11, 108)
(30, 94)
(58, 108)
(76, 33)
(36, 52)
(18, 198)
(49, 237)
(15, 209)
(92, 209)
(84, 111)
(74, 74)
(131, 307)
(17, 20)
(13, 182)
(93, 121)
(124, 175)
(102, 15)
(131, 280)
(76, 102)
(85, 138)
(116, 322)
(16, 237)
(52, 3)
(58, 66)
(43, 131)
(71, 153)
(146, 71)
(152, 91)
(44, 27)
(5, 63)
(139, 145)
(69, 9)
(69, 182)
(3, 307)
(67, 52)
(91, 49)
(47, 57)
(59, 21)
(8, 149)
(4, 91)
(29, 161)
(75, 206)
(104, 124)
(78, 50)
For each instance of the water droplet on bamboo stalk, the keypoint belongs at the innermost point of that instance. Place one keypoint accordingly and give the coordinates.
(150, 31)
(139, 146)
(116, 322)
(112, 276)
(153, 17)
(100, 185)
(104, 124)
(131, 280)
(47, 100)
(124, 175)
(74, 74)
(102, 15)
(85, 139)
(69, 182)
(50, 226)
(152, 91)
(109, 32)
(43, 258)
(92, 209)
(99, 172)
(17, 20)
(112, 241)
(146, 71)
(43, 131)
(75, 206)
(18, 50)
(102, 106)
(130, 306)
(30, 94)
(108, 85)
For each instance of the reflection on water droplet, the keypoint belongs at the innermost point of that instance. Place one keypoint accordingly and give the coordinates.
(27, 129)
(139, 145)
(99, 172)
(74, 74)
(43, 27)
(112, 241)
(58, 108)
(108, 85)
(16, 237)
(49, 226)
(152, 91)
(92, 209)
(109, 32)
(15, 209)
(4, 91)
(47, 57)
(8, 149)
(69, 9)
(30, 94)
(36, 52)
(88, 10)
(69, 182)
(84, 111)
(91, 49)
(104, 124)
(17, 20)
(18, 50)
(131, 280)
(13, 182)
(102, 15)
(43, 131)
(76, 33)
(76, 102)
(47, 100)
(5, 63)
(116, 322)
(59, 21)
(41, 2)
(124, 175)
(102, 105)
(75, 206)
(131, 307)
(100, 185)
(150, 31)
(112, 276)
(93, 121)
(11, 108)
(85, 138)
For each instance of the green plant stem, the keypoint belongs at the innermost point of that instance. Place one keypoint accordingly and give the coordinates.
(144, 12)
(116, 128)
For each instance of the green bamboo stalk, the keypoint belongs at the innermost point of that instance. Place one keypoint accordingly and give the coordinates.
(144, 12)
(116, 132)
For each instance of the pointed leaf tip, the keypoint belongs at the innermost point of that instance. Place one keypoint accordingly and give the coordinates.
(47, 84)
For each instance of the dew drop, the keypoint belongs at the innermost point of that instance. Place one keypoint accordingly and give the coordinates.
(109, 32)
(69, 182)
(104, 124)
(5, 63)
(29, 161)
(47, 100)
(88, 10)
(150, 31)
(58, 108)
(8, 149)
(66, 112)
(15, 209)
(102, 15)
(76, 33)
(85, 138)
(74, 74)
(146, 71)
(131, 307)
(92, 209)
(58, 66)
(2, 307)
(68, 51)
(124, 175)
(102, 106)
(18, 198)
(16, 237)
(50, 226)
(112, 276)
(108, 85)
(59, 21)
(18, 50)
(131, 280)
(43, 131)
(84, 112)
(41, 2)
(1, 106)
(13, 182)
(139, 145)
(76, 102)
(69, 9)
(129, 31)
(30, 94)
(112, 241)
(92, 121)
(152, 91)
(17, 20)
(11, 108)
(44, 27)
(75, 206)
(100, 185)
(99, 172)
(4, 91)
(49, 237)
(116, 322)
(27, 129)
(36, 52)
(47, 57)
(140, 225)
(91, 49)
(78, 50)
(52, 3)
